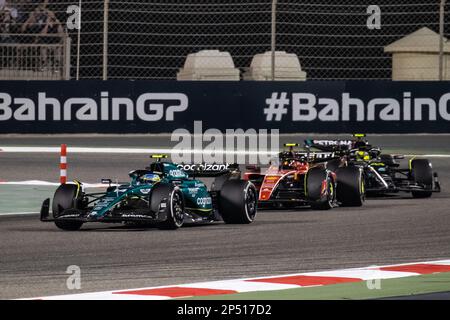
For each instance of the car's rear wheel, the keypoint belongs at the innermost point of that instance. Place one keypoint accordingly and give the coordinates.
(333, 165)
(422, 173)
(168, 200)
(350, 186)
(320, 191)
(65, 197)
(238, 202)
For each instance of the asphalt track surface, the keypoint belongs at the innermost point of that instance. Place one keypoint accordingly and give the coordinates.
(34, 256)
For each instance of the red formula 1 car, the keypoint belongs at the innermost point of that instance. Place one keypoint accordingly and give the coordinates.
(299, 178)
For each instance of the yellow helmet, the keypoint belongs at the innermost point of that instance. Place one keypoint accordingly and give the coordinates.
(151, 178)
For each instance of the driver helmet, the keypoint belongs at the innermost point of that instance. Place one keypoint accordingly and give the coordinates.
(360, 143)
(151, 178)
(362, 155)
(288, 164)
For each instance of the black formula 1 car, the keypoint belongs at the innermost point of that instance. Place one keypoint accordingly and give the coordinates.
(383, 173)
(165, 194)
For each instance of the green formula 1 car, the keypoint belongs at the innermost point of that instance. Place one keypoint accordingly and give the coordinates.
(164, 194)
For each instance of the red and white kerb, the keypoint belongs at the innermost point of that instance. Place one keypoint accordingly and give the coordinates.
(270, 283)
(63, 165)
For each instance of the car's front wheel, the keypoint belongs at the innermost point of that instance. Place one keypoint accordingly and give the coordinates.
(65, 197)
(238, 202)
(350, 186)
(168, 200)
(320, 191)
(422, 173)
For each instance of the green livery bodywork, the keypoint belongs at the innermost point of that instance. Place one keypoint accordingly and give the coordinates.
(195, 193)
(164, 194)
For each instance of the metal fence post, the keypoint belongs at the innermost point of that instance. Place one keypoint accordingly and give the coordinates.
(78, 42)
(274, 36)
(105, 39)
(67, 55)
(441, 40)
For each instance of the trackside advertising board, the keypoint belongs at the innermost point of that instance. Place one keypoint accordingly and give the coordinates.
(164, 106)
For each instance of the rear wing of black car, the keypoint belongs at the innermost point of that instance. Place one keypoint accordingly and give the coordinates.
(329, 145)
(317, 157)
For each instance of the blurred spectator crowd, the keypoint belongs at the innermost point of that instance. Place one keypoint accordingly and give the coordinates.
(31, 38)
(29, 21)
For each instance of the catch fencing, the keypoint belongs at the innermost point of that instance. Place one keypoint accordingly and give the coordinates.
(40, 57)
(334, 40)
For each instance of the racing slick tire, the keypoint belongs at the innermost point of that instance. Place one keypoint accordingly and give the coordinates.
(174, 209)
(238, 201)
(350, 186)
(422, 173)
(333, 165)
(65, 197)
(313, 189)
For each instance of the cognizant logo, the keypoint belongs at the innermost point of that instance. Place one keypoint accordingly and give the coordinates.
(147, 107)
(308, 107)
(204, 201)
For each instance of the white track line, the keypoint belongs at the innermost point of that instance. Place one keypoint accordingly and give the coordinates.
(429, 155)
(50, 184)
(123, 150)
(155, 151)
(244, 286)
(18, 214)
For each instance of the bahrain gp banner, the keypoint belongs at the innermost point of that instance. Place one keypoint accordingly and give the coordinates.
(164, 106)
